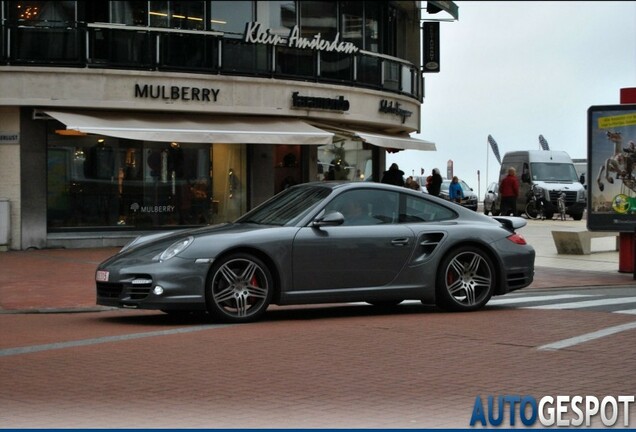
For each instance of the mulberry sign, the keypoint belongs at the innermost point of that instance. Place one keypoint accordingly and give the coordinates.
(176, 93)
(254, 33)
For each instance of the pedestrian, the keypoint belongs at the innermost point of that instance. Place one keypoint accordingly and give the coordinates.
(434, 185)
(394, 175)
(509, 191)
(455, 191)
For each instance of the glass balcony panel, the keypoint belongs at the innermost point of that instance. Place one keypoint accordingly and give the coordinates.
(336, 66)
(122, 48)
(369, 71)
(294, 62)
(188, 52)
(391, 76)
(407, 79)
(40, 45)
(245, 58)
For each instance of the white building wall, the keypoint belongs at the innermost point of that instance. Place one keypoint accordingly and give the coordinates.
(10, 170)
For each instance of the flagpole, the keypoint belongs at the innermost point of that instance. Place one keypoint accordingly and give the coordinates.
(487, 156)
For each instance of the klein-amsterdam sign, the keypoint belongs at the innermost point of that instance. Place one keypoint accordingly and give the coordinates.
(254, 33)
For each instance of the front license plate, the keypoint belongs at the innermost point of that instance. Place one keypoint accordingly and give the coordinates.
(101, 276)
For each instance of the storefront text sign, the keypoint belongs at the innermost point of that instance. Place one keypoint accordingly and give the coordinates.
(309, 102)
(255, 34)
(183, 93)
(394, 108)
(9, 137)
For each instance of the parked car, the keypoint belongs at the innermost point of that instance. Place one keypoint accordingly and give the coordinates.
(304, 245)
(470, 197)
(490, 199)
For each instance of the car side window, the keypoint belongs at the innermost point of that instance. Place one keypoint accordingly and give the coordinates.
(417, 209)
(366, 207)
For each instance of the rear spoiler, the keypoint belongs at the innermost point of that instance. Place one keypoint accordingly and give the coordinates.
(511, 223)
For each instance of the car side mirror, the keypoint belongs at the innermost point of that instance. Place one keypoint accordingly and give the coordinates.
(330, 219)
(525, 178)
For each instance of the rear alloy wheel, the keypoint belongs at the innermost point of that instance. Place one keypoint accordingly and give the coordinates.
(240, 289)
(466, 280)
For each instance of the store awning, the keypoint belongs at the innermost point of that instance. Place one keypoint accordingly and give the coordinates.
(397, 142)
(390, 142)
(193, 128)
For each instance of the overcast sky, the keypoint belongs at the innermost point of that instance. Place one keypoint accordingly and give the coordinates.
(517, 70)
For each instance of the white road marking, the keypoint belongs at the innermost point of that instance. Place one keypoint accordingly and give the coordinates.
(85, 342)
(529, 299)
(566, 343)
(588, 303)
(627, 311)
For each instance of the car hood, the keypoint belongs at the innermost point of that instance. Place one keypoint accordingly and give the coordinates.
(207, 240)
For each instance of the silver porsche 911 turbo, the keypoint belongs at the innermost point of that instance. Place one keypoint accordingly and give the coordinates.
(324, 242)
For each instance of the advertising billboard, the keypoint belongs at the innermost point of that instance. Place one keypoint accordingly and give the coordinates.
(611, 159)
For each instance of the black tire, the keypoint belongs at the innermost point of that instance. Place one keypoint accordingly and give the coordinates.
(577, 216)
(466, 280)
(240, 288)
(531, 210)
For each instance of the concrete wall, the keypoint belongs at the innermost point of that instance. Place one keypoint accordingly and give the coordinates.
(115, 89)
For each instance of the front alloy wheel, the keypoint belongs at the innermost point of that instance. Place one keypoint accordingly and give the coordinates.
(466, 280)
(240, 289)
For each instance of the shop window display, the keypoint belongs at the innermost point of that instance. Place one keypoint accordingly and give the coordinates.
(345, 160)
(99, 182)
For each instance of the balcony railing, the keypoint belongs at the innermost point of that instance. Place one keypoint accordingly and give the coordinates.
(150, 48)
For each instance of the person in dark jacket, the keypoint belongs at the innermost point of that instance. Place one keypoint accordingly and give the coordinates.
(435, 183)
(394, 175)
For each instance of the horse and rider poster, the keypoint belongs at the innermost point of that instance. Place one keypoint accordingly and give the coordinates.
(611, 159)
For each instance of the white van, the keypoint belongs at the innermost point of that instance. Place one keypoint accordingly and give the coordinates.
(554, 172)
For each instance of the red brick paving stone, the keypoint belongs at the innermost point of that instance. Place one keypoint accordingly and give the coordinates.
(418, 370)
(49, 278)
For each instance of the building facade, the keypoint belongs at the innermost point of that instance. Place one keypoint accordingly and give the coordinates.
(118, 117)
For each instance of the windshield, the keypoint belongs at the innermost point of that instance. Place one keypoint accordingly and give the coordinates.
(554, 172)
(287, 206)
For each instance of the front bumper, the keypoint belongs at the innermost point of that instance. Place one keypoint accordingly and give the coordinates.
(172, 285)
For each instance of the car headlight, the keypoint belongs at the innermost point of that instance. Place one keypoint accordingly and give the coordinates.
(176, 248)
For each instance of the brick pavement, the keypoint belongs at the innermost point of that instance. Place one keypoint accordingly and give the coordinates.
(333, 368)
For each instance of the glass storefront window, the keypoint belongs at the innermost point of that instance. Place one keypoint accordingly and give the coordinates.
(189, 15)
(129, 12)
(230, 16)
(372, 26)
(319, 17)
(351, 24)
(345, 160)
(277, 16)
(48, 13)
(99, 182)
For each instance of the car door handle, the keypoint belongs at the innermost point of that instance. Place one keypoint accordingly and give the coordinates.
(400, 242)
